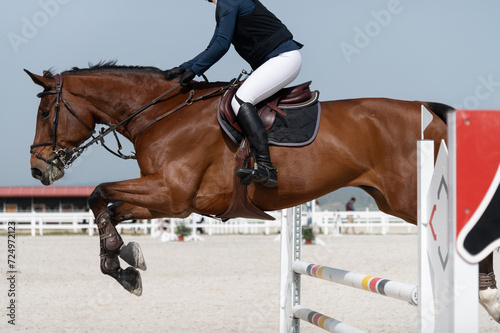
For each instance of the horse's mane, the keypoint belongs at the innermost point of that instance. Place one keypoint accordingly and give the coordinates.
(112, 66)
(106, 66)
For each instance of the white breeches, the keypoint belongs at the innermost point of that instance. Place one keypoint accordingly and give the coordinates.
(269, 78)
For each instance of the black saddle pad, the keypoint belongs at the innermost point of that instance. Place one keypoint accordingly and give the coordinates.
(298, 128)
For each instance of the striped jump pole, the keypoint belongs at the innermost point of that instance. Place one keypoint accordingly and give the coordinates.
(325, 322)
(398, 290)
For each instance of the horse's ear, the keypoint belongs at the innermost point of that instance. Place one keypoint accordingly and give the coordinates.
(45, 82)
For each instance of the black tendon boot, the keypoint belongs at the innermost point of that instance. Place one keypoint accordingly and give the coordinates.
(254, 130)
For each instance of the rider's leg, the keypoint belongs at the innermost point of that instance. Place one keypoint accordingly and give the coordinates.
(266, 80)
(254, 130)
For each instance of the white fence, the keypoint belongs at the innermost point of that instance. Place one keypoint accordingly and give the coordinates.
(76, 222)
(359, 222)
(326, 222)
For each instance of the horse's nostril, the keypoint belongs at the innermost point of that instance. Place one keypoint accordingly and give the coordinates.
(36, 173)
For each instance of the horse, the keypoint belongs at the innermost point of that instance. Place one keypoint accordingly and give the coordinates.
(186, 161)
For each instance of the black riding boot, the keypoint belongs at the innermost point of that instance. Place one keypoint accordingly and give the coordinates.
(254, 130)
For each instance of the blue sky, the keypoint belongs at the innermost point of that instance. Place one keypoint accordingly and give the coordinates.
(442, 51)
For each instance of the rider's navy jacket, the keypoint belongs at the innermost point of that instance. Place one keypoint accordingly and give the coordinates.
(257, 35)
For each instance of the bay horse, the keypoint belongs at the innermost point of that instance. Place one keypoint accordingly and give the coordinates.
(186, 162)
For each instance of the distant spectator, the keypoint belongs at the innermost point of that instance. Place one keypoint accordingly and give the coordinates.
(349, 206)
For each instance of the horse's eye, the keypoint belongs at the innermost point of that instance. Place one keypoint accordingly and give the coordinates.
(45, 113)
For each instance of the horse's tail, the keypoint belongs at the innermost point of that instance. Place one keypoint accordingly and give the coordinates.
(439, 109)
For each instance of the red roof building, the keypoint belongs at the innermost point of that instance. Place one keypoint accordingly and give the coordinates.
(45, 199)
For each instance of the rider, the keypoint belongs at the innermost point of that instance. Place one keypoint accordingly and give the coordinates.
(267, 45)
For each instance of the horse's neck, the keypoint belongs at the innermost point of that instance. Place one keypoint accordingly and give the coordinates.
(115, 98)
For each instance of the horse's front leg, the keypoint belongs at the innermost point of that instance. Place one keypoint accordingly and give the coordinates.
(111, 243)
(132, 253)
(112, 246)
(488, 292)
(142, 198)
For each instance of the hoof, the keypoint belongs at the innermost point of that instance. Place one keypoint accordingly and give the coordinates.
(132, 255)
(130, 279)
(490, 300)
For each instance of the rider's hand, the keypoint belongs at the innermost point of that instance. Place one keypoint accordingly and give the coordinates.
(187, 77)
(174, 72)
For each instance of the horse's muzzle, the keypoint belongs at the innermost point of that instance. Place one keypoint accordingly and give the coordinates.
(46, 173)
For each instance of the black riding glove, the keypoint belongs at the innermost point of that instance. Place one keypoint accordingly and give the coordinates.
(174, 72)
(187, 77)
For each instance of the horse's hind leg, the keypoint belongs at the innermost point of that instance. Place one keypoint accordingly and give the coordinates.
(488, 292)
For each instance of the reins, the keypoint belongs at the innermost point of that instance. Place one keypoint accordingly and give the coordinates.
(74, 153)
(112, 129)
(189, 101)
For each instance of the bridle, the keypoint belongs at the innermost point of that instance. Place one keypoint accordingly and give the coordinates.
(66, 156)
(60, 151)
